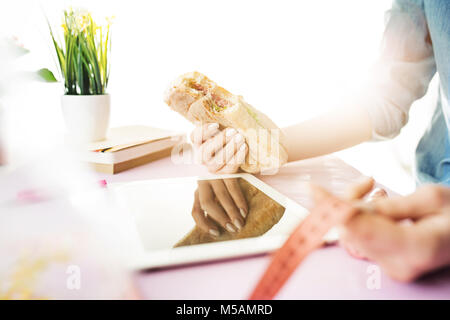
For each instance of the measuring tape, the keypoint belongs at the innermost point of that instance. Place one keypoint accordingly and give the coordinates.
(305, 238)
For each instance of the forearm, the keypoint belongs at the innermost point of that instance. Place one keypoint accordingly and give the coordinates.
(336, 130)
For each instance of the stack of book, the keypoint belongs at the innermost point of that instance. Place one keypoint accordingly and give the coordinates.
(129, 147)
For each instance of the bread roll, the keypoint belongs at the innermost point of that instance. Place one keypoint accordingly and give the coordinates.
(200, 100)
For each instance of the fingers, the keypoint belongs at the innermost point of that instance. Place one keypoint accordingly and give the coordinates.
(383, 241)
(377, 194)
(425, 201)
(200, 218)
(229, 210)
(210, 147)
(360, 189)
(222, 151)
(232, 166)
(212, 208)
(355, 192)
(352, 251)
(225, 155)
(204, 132)
(237, 195)
(433, 249)
(404, 252)
(224, 197)
(368, 232)
(319, 194)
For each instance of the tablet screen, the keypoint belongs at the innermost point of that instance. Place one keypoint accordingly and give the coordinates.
(171, 214)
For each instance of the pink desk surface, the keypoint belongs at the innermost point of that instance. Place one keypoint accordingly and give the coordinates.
(328, 273)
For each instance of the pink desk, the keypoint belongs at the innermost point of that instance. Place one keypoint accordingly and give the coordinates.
(329, 273)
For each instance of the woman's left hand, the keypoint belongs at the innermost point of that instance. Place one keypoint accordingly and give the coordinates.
(407, 236)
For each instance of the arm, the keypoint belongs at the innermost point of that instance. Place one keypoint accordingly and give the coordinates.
(400, 76)
(331, 132)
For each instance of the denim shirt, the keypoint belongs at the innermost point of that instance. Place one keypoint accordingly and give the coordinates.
(433, 150)
(416, 45)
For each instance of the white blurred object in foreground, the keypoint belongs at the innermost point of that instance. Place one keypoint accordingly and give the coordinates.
(59, 236)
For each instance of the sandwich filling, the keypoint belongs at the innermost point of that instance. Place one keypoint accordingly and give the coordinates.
(216, 101)
(217, 98)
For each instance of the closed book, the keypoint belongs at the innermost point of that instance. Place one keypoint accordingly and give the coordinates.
(129, 147)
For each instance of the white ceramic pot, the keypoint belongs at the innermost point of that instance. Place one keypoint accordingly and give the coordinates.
(86, 117)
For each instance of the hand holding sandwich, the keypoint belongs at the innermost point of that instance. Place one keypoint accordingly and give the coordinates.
(204, 103)
(222, 152)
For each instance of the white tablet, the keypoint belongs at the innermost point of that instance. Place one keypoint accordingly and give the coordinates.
(161, 216)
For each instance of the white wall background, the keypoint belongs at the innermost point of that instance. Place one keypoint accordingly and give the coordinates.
(291, 59)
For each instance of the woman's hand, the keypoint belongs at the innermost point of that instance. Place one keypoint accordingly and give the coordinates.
(221, 152)
(219, 202)
(407, 236)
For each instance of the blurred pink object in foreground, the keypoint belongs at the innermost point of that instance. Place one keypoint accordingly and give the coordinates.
(55, 244)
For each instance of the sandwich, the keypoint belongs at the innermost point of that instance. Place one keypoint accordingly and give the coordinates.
(201, 100)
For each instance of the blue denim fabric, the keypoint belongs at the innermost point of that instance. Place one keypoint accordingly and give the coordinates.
(433, 150)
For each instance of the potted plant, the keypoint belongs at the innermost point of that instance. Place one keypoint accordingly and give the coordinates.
(83, 59)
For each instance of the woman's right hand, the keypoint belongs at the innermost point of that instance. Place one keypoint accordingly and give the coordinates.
(221, 151)
(406, 236)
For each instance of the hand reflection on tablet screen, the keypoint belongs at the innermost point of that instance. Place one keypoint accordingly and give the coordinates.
(219, 203)
(227, 209)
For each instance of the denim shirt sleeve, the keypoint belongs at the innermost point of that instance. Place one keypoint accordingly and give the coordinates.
(404, 70)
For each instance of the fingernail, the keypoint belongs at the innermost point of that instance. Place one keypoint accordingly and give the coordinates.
(230, 132)
(213, 126)
(238, 224)
(214, 233)
(229, 227)
(243, 214)
(239, 137)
